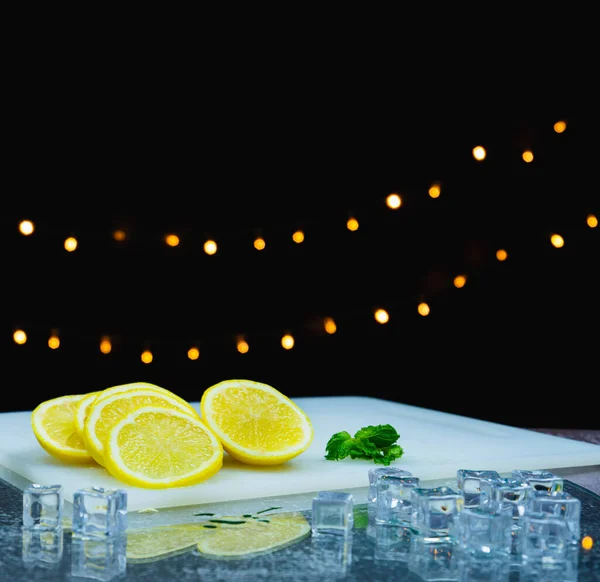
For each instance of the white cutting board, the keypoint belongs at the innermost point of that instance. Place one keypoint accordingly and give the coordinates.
(436, 444)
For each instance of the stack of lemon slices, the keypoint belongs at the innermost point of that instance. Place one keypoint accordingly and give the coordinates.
(147, 436)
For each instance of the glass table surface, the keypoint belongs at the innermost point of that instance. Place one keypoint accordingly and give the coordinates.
(357, 558)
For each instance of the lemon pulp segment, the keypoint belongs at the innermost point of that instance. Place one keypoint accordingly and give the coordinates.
(156, 447)
(53, 426)
(105, 413)
(255, 422)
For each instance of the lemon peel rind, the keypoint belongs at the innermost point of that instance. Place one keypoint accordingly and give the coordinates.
(93, 443)
(120, 388)
(115, 464)
(80, 411)
(245, 454)
(62, 452)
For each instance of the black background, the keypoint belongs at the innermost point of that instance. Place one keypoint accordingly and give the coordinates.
(254, 153)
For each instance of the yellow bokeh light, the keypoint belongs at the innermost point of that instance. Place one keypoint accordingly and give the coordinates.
(260, 244)
(479, 153)
(460, 281)
(382, 316)
(105, 346)
(287, 342)
(119, 235)
(70, 244)
(501, 255)
(393, 201)
(560, 126)
(53, 342)
(557, 241)
(242, 346)
(435, 191)
(210, 247)
(330, 326)
(172, 240)
(528, 156)
(587, 542)
(298, 236)
(352, 224)
(26, 227)
(193, 353)
(20, 337)
(592, 221)
(423, 309)
(147, 356)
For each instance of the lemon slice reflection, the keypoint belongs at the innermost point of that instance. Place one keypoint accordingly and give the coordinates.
(255, 536)
(218, 540)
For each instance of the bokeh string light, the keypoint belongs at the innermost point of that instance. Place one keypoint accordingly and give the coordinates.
(20, 337)
(393, 201)
(172, 240)
(557, 241)
(287, 341)
(26, 227)
(560, 126)
(527, 156)
(210, 247)
(381, 316)
(460, 281)
(435, 190)
(71, 244)
(329, 325)
(479, 153)
(352, 224)
(105, 345)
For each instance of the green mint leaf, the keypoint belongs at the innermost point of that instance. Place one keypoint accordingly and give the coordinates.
(376, 443)
(337, 446)
(389, 454)
(268, 509)
(383, 435)
(358, 452)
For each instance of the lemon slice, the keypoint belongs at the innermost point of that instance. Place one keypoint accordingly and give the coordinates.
(106, 411)
(81, 410)
(106, 393)
(156, 448)
(271, 533)
(256, 423)
(53, 426)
